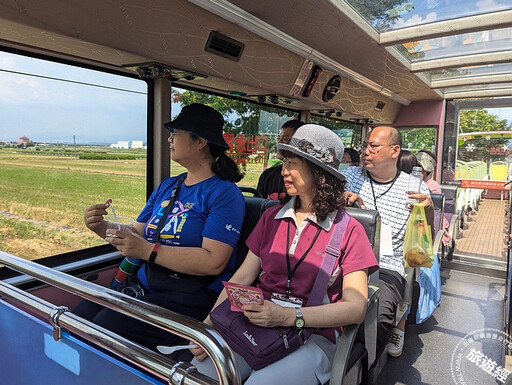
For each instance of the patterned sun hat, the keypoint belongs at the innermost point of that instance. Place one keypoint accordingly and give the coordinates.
(319, 145)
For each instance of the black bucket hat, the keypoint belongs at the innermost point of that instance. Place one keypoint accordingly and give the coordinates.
(201, 120)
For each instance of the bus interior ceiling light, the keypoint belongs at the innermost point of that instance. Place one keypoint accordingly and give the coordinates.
(153, 70)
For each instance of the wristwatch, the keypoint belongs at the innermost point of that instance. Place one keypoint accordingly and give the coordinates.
(299, 320)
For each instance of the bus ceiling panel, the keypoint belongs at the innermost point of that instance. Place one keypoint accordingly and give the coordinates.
(397, 15)
(274, 33)
(487, 21)
(336, 42)
(471, 80)
(463, 61)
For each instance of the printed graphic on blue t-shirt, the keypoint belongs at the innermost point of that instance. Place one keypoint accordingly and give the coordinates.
(213, 208)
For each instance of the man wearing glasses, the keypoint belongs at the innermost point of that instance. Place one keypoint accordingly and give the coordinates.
(379, 185)
(270, 184)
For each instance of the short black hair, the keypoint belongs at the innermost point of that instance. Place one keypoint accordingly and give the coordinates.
(406, 161)
(294, 124)
(354, 155)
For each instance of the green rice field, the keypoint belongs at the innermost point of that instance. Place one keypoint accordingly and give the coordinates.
(43, 197)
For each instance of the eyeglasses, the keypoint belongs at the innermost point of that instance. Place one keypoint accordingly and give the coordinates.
(374, 148)
(174, 133)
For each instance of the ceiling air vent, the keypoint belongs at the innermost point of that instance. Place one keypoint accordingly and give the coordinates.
(224, 46)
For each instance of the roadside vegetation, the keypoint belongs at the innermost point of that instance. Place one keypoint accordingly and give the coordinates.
(43, 194)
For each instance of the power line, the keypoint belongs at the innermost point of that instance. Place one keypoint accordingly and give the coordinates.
(74, 82)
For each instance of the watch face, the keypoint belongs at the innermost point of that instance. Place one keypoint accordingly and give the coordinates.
(299, 323)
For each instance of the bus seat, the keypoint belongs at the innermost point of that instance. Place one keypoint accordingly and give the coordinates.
(357, 345)
(450, 209)
(250, 190)
(254, 208)
(439, 201)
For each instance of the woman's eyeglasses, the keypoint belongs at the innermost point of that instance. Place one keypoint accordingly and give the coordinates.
(174, 133)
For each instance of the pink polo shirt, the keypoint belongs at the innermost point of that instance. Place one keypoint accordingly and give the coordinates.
(268, 241)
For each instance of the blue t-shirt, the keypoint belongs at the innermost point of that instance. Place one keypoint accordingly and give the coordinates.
(213, 208)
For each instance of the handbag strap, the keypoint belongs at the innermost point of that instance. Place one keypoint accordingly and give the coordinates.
(172, 199)
(332, 251)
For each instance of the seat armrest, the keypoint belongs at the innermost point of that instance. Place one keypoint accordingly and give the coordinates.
(454, 225)
(343, 349)
(348, 337)
(437, 242)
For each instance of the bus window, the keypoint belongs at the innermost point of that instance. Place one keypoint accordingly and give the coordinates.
(415, 139)
(70, 137)
(350, 133)
(250, 129)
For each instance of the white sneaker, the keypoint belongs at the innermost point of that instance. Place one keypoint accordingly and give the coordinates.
(395, 343)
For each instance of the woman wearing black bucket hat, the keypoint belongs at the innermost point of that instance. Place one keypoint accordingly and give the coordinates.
(180, 255)
(287, 250)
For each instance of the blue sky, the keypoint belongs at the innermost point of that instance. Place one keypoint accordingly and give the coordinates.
(54, 111)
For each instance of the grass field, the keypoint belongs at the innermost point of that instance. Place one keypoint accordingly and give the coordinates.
(43, 197)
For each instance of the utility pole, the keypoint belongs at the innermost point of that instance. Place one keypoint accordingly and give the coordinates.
(74, 144)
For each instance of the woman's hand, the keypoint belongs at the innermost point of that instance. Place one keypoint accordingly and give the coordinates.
(199, 353)
(130, 243)
(93, 217)
(270, 314)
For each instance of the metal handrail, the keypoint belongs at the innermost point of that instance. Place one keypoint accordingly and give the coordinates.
(144, 358)
(181, 325)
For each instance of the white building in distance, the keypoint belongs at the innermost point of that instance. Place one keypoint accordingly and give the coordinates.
(121, 144)
(137, 144)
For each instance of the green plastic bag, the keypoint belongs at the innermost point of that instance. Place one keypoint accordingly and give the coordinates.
(418, 239)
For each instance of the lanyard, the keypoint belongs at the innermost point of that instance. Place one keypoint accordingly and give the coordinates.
(385, 192)
(288, 265)
(172, 199)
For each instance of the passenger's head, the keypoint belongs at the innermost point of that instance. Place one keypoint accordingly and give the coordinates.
(427, 160)
(197, 133)
(407, 161)
(381, 152)
(350, 157)
(310, 168)
(287, 131)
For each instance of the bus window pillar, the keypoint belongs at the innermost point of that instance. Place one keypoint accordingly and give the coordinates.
(365, 131)
(161, 114)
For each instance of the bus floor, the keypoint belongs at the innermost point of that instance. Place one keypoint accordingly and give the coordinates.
(469, 302)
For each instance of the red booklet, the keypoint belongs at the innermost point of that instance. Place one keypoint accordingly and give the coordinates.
(240, 295)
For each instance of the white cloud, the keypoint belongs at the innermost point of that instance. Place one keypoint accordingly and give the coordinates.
(490, 5)
(415, 20)
(18, 90)
(7, 62)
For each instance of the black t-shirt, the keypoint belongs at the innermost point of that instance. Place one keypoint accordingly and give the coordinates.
(270, 184)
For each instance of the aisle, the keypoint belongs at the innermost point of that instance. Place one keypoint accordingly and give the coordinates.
(484, 233)
(469, 302)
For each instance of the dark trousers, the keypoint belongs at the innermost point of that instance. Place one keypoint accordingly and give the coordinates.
(197, 306)
(392, 286)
